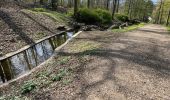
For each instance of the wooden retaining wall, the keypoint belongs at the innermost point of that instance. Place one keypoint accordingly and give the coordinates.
(16, 63)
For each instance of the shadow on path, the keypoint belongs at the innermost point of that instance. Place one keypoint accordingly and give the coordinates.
(148, 60)
(153, 31)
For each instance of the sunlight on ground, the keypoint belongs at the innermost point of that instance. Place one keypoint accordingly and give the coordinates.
(57, 17)
(130, 28)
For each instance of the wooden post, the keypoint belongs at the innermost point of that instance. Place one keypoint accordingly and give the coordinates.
(2, 76)
(75, 7)
(65, 37)
(52, 43)
(26, 59)
(34, 54)
(7, 69)
(59, 40)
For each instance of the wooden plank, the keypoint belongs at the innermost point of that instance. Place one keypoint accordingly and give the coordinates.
(2, 75)
(28, 46)
(7, 69)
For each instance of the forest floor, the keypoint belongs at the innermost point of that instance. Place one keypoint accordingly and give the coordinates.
(102, 65)
(21, 26)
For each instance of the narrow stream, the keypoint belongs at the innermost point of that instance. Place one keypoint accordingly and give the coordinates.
(28, 59)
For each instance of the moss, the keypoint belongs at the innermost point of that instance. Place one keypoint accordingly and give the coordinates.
(40, 35)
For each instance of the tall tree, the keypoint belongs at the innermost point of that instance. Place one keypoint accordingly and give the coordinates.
(159, 12)
(117, 7)
(41, 2)
(88, 3)
(167, 22)
(53, 4)
(75, 7)
(114, 8)
(107, 4)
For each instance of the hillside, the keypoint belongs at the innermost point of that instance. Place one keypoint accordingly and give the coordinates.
(21, 26)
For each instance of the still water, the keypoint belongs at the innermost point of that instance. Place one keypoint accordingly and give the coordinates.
(35, 55)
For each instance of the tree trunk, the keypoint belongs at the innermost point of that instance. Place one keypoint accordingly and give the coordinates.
(88, 3)
(114, 8)
(167, 22)
(107, 4)
(117, 8)
(129, 6)
(41, 2)
(53, 4)
(162, 11)
(75, 7)
(158, 19)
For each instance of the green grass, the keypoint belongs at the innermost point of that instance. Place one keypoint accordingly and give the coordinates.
(28, 87)
(168, 28)
(64, 60)
(130, 28)
(57, 17)
(60, 75)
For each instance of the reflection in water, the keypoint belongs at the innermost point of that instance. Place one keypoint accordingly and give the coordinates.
(19, 64)
(69, 34)
(39, 53)
(31, 57)
(48, 50)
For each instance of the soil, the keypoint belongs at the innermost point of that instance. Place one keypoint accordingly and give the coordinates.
(106, 66)
(18, 27)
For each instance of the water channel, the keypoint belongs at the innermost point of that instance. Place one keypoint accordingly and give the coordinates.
(22, 62)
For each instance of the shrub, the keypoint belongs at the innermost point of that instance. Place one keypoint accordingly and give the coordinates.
(28, 87)
(87, 16)
(60, 75)
(121, 17)
(39, 9)
(95, 16)
(70, 12)
(104, 15)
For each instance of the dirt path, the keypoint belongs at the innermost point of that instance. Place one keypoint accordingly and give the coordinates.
(107, 66)
(128, 66)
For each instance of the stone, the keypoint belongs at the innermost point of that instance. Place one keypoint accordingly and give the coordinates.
(61, 28)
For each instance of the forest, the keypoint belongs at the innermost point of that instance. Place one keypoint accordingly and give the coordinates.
(84, 49)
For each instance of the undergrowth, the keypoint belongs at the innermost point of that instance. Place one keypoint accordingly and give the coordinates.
(57, 17)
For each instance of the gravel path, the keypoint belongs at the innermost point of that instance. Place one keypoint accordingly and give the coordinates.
(127, 66)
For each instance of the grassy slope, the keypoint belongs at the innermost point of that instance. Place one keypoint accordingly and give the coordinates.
(34, 24)
(58, 74)
(57, 17)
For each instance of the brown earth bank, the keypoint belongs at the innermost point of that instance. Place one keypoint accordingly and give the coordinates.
(20, 27)
(102, 66)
